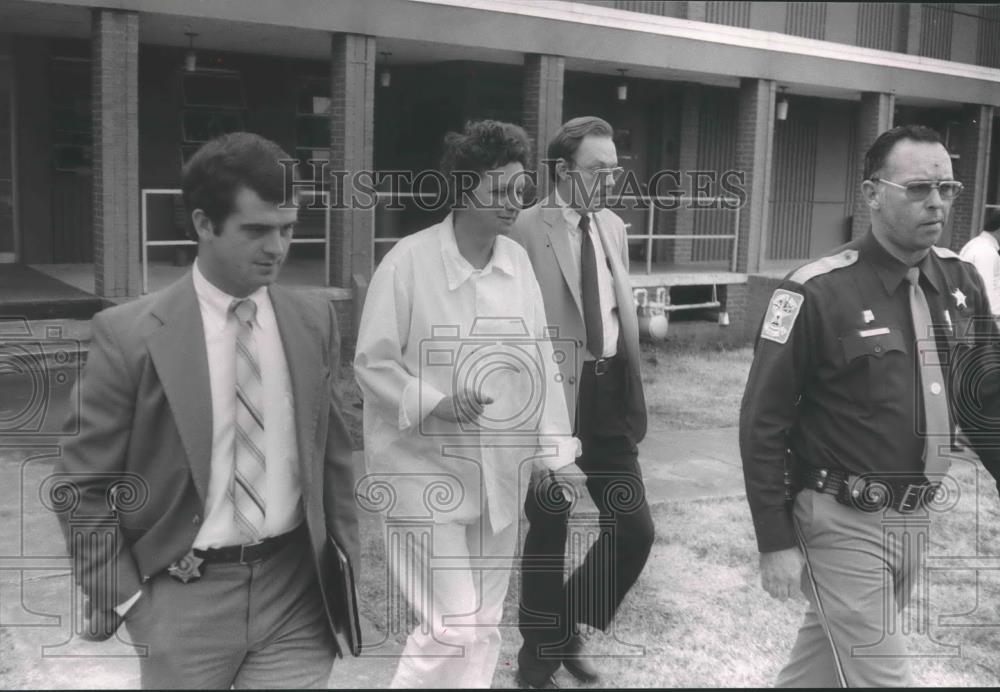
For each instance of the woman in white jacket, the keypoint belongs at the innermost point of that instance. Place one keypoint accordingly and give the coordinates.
(462, 402)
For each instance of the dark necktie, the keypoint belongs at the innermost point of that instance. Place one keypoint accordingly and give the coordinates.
(590, 291)
(932, 382)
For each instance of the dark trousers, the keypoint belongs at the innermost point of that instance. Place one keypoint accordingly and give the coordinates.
(244, 626)
(551, 605)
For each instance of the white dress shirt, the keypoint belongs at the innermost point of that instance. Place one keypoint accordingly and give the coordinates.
(432, 320)
(606, 287)
(282, 488)
(982, 251)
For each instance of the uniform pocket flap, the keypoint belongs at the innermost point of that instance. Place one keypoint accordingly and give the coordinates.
(857, 343)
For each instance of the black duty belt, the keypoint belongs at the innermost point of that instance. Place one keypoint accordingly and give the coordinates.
(252, 552)
(872, 492)
(601, 366)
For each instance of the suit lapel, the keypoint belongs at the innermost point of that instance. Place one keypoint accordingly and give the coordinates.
(623, 292)
(558, 233)
(177, 349)
(308, 372)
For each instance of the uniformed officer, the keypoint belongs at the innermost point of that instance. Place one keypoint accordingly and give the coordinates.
(848, 399)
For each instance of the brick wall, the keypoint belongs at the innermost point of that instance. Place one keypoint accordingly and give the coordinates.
(348, 330)
(542, 105)
(352, 131)
(754, 150)
(115, 94)
(874, 117)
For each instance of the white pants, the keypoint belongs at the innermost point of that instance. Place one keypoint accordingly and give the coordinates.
(456, 577)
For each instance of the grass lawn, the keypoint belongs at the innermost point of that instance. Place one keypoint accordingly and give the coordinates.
(691, 388)
(698, 617)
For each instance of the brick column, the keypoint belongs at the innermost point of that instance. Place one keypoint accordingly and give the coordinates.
(973, 170)
(754, 152)
(914, 24)
(542, 106)
(352, 128)
(115, 103)
(874, 118)
(687, 162)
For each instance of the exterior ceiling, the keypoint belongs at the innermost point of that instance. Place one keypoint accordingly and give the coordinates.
(32, 17)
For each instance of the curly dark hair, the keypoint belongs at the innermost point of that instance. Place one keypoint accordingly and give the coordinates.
(214, 175)
(482, 146)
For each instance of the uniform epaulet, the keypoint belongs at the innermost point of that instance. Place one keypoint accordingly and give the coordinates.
(945, 253)
(824, 265)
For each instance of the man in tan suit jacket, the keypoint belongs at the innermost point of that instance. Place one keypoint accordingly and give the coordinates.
(230, 577)
(579, 252)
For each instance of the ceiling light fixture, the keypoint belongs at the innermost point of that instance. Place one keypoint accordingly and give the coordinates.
(623, 87)
(190, 58)
(781, 108)
(385, 77)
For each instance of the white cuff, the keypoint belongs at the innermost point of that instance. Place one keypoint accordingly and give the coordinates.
(567, 450)
(418, 400)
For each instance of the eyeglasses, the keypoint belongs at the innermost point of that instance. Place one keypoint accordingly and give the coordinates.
(604, 173)
(919, 190)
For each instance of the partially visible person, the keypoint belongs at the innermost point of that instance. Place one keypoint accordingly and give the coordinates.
(579, 250)
(214, 400)
(452, 351)
(983, 251)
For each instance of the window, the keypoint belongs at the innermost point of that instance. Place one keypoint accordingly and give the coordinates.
(72, 144)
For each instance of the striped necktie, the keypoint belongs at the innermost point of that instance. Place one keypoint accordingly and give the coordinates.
(932, 382)
(246, 489)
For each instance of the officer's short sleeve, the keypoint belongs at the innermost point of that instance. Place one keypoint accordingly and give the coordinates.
(782, 358)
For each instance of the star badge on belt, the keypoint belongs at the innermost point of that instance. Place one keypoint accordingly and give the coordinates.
(186, 569)
(959, 298)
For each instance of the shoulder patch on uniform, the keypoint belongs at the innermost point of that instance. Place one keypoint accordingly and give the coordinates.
(824, 265)
(944, 253)
(781, 314)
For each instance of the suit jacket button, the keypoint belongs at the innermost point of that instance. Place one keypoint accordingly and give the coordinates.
(579, 343)
(572, 380)
(196, 520)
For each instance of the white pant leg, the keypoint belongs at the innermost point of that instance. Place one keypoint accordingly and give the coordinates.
(492, 582)
(436, 568)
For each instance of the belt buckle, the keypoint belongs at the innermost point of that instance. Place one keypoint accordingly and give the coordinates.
(601, 366)
(243, 550)
(911, 498)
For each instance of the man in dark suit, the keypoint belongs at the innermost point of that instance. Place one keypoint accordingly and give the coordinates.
(579, 252)
(213, 398)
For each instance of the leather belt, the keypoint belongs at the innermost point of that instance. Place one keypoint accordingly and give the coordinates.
(872, 492)
(252, 552)
(601, 366)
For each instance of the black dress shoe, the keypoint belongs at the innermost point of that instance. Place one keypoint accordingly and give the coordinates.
(536, 681)
(535, 673)
(576, 660)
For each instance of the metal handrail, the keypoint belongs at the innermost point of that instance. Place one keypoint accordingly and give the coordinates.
(649, 236)
(147, 243)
